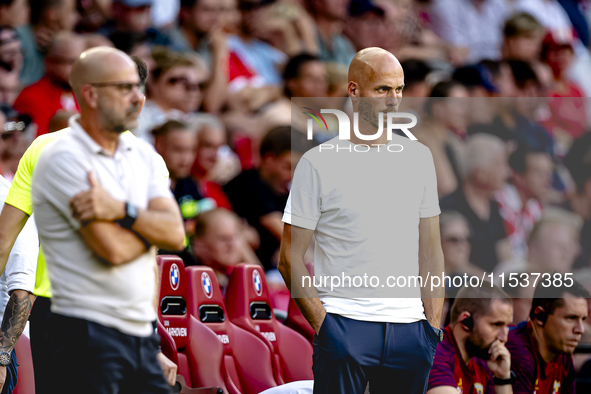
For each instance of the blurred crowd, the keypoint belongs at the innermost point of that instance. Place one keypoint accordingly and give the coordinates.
(499, 87)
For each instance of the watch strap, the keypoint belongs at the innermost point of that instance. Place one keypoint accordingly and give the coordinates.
(502, 382)
(130, 216)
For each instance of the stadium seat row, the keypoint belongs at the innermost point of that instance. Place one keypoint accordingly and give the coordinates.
(237, 345)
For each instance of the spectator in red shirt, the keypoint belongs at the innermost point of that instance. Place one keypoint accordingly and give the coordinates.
(42, 100)
(472, 358)
(541, 348)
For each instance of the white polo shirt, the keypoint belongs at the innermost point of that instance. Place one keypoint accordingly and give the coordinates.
(20, 270)
(120, 297)
(364, 208)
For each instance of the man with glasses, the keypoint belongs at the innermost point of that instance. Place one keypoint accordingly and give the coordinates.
(102, 201)
(52, 93)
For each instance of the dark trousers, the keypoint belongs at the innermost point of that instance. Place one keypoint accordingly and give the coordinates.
(38, 322)
(392, 357)
(101, 360)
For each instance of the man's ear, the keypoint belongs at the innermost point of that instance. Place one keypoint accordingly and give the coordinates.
(540, 315)
(89, 95)
(353, 89)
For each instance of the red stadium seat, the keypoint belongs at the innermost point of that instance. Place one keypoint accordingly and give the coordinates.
(26, 380)
(249, 307)
(248, 360)
(200, 356)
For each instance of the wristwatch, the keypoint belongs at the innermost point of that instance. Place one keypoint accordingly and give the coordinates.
(5, 359)
(130, 216)
(501, 382)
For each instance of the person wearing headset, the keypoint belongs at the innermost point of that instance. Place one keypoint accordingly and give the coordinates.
(541, 348)
(472, 358)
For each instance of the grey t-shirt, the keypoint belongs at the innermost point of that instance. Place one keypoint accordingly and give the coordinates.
(120, 297)
(365, 208)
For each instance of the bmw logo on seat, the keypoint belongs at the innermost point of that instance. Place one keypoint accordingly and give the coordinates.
(257, 283)
(206, 284)
(174, 276)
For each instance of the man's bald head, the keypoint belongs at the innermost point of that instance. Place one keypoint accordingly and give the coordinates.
(101, 65)
(107, 86)
(375, 84)
(372, 64)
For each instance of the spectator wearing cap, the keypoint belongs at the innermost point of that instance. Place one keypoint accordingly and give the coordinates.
(568, 118)
(175, 91)
(48, 17)
(578, 162)
(329, 17)
(443, 131)
(52, 93)
(522, 37)
(259, 195)
(135, 44)
(13, 12)
(366, 25)
(501, 76)
(134, 16)
(485, 171)
(477, 79)
(520, 200)
(473, 28)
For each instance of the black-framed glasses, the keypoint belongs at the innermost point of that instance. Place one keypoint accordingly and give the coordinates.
(123, 87)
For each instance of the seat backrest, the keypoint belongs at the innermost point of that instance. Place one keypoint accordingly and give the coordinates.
(26, 380)
(174, 292)
(200, 354)
(248, 360)
(249, 307)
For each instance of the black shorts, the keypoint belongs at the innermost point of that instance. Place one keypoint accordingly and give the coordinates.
(86, 357)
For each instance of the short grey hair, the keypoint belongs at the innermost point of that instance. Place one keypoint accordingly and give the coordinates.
(481, 148)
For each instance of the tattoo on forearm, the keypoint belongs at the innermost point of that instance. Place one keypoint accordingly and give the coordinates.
(15, 318)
